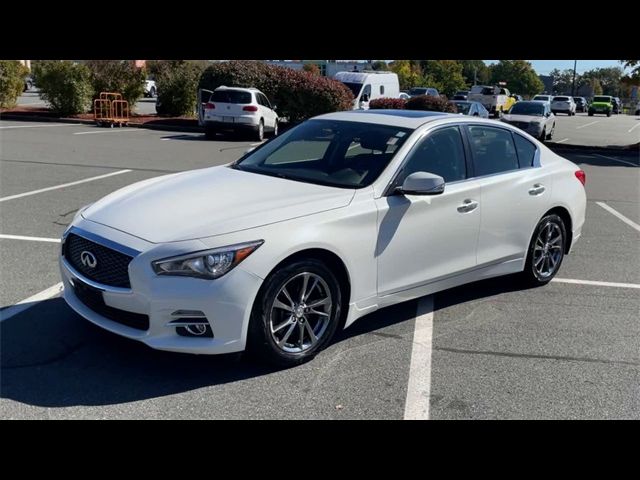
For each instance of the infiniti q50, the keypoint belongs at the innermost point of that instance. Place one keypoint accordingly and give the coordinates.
(339, 216)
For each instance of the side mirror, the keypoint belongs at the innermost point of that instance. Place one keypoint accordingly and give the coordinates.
(422, 183)
(274, 108)
(364, 97)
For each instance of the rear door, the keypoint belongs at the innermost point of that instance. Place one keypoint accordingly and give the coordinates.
(203, 97)
(515, 191)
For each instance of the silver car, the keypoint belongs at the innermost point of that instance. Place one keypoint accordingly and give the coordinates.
(473, 109)
(534, 117)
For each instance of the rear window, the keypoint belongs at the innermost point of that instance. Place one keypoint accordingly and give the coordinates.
(560, 99)
(231, 96)
(526, 151)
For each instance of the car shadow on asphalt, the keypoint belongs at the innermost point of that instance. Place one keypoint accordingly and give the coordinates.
(51, 357)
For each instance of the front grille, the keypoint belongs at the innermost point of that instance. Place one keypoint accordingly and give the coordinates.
(92, 298)
(111, 266)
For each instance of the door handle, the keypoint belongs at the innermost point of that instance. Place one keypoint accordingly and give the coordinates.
(468, 206)
(537, 189)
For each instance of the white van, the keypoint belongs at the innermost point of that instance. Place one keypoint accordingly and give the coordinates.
(369, 85)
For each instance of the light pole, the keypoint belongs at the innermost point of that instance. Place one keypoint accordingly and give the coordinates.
(573, 85)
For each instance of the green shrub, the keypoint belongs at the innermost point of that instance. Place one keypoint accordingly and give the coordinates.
(387, 103)
(177, 83)
(119, 76)
(431, 103)
(297, 94)
(66, 86)
(12, 75)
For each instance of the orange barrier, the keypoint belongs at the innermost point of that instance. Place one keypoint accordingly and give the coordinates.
(110, 109)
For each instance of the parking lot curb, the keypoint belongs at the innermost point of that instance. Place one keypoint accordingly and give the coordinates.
(36, 118)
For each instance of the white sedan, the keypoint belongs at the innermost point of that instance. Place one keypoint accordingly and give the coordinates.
(342, 215)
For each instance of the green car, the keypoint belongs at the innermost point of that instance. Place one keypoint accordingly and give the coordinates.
(601, 104)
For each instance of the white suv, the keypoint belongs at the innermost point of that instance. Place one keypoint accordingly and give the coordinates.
(563, 104)
(239, 109)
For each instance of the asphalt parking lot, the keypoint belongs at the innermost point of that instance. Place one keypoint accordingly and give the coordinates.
(489, 350)
(598, 130)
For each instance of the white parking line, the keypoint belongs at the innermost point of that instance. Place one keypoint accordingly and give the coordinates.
(598, 284)
(563, 140)
(612, 211)
(41, 126)
(22, 305)
(617, 160)
(634, 127)
(419, 387)
(111, 130)
(64, 185)
(587, 124)
(32, 239)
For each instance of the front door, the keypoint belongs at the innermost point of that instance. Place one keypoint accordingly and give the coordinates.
(424, 238)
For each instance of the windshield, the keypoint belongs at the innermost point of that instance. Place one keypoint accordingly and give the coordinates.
(463, 107)
(541, 97)
(354, 87)
(328, 152)
(602, 99)
(231, 96)
(527, 108)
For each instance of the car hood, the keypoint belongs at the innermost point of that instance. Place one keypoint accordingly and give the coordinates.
(522, 118)
(209, 202)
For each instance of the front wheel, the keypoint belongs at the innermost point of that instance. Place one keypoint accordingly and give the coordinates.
(296, 313)
(543, 135)
(546, 251)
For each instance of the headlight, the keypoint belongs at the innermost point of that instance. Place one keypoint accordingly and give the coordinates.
(207, 264)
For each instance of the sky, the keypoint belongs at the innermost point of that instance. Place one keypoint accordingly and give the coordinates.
(543, 67)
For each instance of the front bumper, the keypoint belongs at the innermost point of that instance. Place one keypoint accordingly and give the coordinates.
(226, 302)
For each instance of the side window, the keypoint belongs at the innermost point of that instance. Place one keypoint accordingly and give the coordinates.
(493, 150)
(526, 151)
(258, 99)
(441, 153)
(265, 101)
(381, 89)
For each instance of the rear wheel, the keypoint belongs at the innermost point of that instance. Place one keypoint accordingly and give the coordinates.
(546, 251)
(296, 313)
(260, 131)
(608, 113)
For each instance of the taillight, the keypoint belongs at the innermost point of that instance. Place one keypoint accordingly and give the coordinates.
(210, 106)
(580, 175)
(250, 108)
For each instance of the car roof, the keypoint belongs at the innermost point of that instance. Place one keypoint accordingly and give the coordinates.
(396, 118)
(244, 89)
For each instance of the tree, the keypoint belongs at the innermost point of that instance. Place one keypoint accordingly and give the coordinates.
(445, 75)
(519, 75)
(634, 75)
(311, 68)
(563, 81)
(408, 75)
(379, 65)
(475, 70)
(609, 78)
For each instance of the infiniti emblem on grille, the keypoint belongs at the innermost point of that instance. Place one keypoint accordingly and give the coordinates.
(88, 259)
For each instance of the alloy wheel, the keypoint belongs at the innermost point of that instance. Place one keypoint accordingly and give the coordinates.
(548, 250)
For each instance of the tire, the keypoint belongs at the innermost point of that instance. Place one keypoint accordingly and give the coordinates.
(542, 273)
(259, 135)
(210, 133)
(263, 339)
(543, 135)
(608, 113)
(152, 92)
(275, 129)
(553, 128)
(591, 114)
